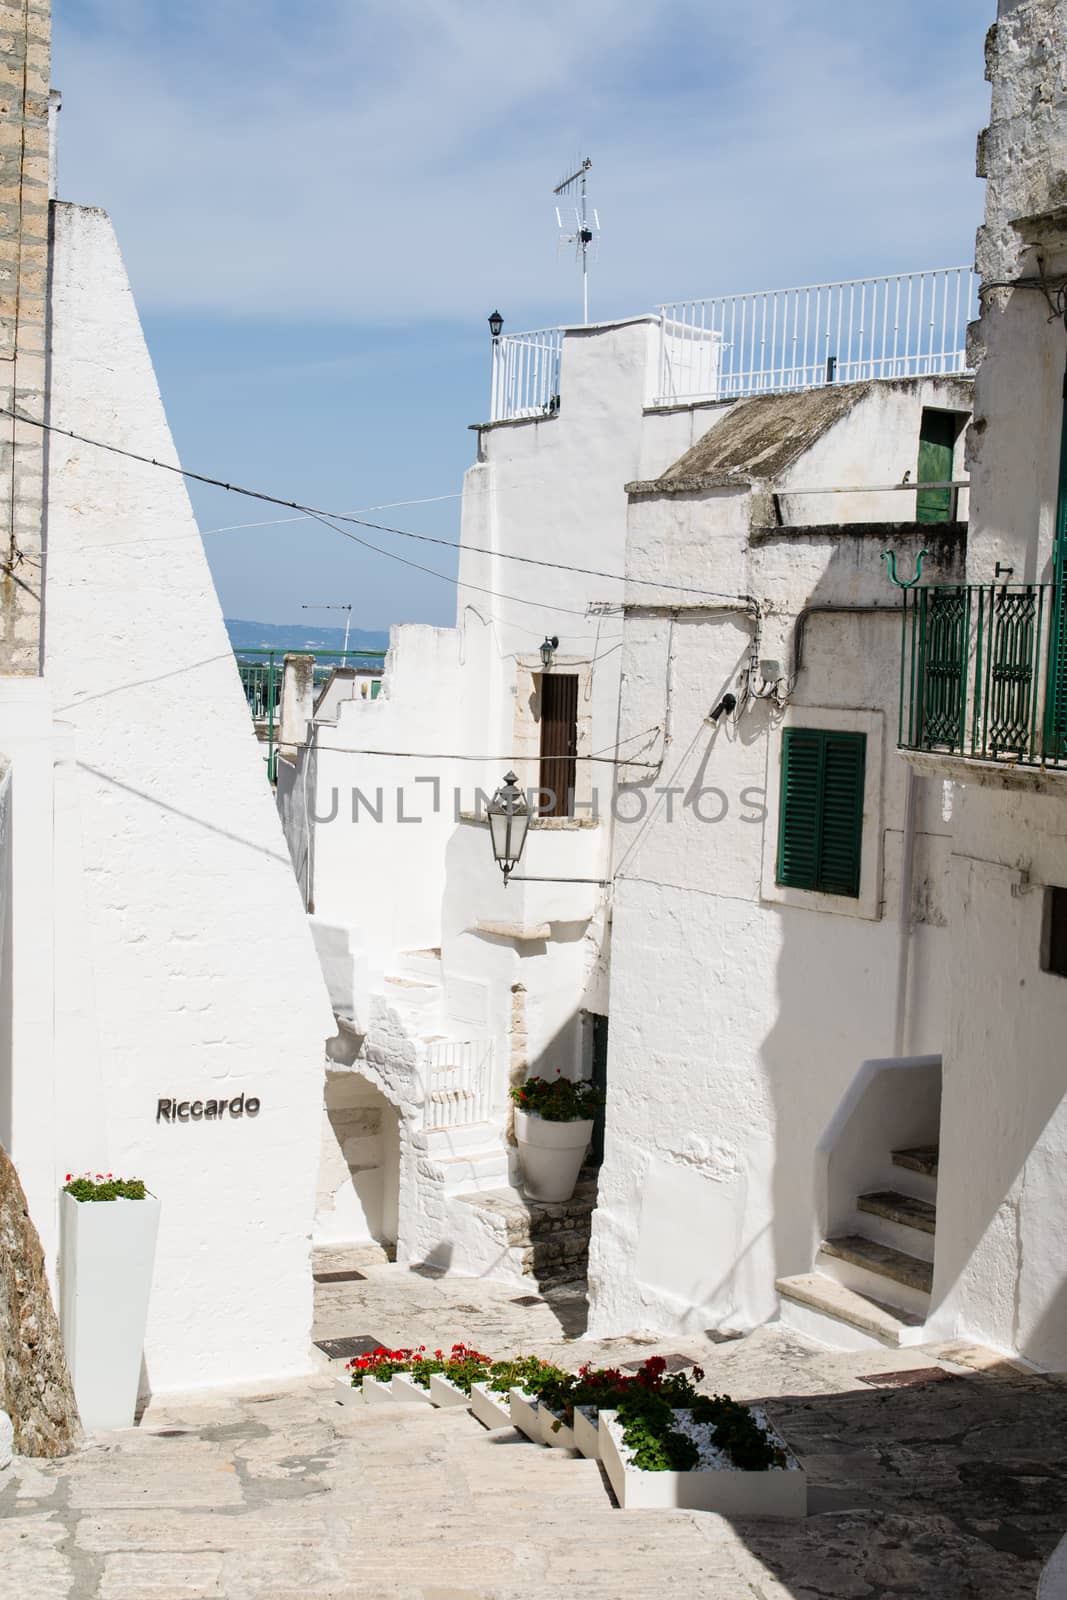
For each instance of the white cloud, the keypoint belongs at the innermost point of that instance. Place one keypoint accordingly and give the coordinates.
(391, 160)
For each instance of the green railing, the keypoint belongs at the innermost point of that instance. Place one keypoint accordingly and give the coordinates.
(983, 672)
(261, 674)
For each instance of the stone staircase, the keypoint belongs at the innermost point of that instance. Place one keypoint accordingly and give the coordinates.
(871, 1285)
(466, 1510)
(538, 1241)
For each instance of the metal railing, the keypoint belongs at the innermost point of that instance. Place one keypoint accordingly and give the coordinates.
(910, 325)
(526, 375)
(261, 673)
(983, 672)
(458, 1082)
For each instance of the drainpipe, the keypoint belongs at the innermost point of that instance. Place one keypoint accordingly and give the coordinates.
(907, 876)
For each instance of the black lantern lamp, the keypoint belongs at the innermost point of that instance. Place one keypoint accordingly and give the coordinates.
(509, 819)
(548, 650)
(496, 324)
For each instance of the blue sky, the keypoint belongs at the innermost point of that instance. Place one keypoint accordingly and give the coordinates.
(320, 203)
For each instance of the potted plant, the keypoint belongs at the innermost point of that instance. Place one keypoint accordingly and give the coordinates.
(553, 1127)
(108, 1230)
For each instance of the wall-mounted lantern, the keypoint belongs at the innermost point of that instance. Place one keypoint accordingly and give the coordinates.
(509, 819)
(548, 650)
(496, 325)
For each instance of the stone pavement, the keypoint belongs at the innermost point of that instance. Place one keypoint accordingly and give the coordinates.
(934, 1491)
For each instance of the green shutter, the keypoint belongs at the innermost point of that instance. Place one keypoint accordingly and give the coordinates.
(820, 828)
(937, 446)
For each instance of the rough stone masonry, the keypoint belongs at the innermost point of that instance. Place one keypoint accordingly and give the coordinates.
(25, 34)
(35, 1387)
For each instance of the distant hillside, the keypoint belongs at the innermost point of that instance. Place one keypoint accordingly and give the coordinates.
(294, 636)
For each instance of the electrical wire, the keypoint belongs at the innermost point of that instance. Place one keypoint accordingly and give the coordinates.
(451, 755)
(331, 518)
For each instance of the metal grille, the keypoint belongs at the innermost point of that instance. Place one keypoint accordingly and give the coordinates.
(980, 670)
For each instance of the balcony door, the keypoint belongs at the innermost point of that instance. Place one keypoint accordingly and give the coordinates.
(559, 743)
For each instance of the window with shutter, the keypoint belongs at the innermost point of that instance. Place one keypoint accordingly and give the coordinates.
(820, 825)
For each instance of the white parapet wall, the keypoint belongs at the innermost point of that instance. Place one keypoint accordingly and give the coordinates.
(181, 940)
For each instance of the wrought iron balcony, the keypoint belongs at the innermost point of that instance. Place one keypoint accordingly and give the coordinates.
(983, 672)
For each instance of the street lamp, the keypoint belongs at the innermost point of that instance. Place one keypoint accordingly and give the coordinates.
(496, 324)
(509, 818)
(548, 650)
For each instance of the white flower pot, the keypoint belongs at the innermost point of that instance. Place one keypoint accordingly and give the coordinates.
(586, 1431)
(443, 1392)
(727, 1490)
(491, 1409)
(377, 1393)
(107, 1248)
(554, 1431)
(524, 1409)
(551, 1154)
(407, 1390)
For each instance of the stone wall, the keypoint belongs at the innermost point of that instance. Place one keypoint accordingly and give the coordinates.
(35, 1388)
(25, 29)
(1023, 152)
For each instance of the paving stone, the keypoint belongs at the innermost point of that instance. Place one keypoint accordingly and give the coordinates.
(130, 1575)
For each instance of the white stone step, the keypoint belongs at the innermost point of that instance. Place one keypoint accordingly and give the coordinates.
(826, 1310)
(463, 1139)
(472, 1171)
(422, 965)
(878, 1271)
(414, 994)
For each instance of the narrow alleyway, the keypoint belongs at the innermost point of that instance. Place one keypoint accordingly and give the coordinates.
(939, 1490)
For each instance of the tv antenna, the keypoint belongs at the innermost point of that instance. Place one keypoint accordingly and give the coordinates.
(579, 225)
(335, 607)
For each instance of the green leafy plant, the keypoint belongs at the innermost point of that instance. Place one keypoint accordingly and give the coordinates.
(528, 1373)
(738, 1433)
(648, 1431)
(464, 1367)
(557, 1099)
(104, 1186)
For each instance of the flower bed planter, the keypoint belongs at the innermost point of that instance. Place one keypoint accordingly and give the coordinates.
(492, 1410)
(551, 1154)
(443, 1392)
(348, 1394)
(558, 1438)
(587, 1432)
(107, 1249)
(524, 1409)
(375, 1393)
(722, 1487)
(406, 1389)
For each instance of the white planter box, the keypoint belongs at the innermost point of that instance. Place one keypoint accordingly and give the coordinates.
(491, 1409)
(348, 1394)
(561, 1438)
(107, 1248)
(375, 1393)
(782, 1492)
(551, 1154)
(524, 1409)
(405, 1388)
(587, 1432)
(443, 1392)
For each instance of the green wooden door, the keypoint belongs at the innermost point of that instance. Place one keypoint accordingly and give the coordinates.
(937, 445)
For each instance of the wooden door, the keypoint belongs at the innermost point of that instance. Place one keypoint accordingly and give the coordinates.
(937, 446)
(559, 742)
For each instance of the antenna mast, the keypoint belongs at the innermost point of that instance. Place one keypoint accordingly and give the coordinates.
(585, 233)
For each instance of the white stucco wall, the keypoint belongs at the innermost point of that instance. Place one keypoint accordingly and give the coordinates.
(204, 979)
(740, 1013)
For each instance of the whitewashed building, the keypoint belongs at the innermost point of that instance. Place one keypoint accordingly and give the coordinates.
(154, 952)
(448, 986)
(837, 1065)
